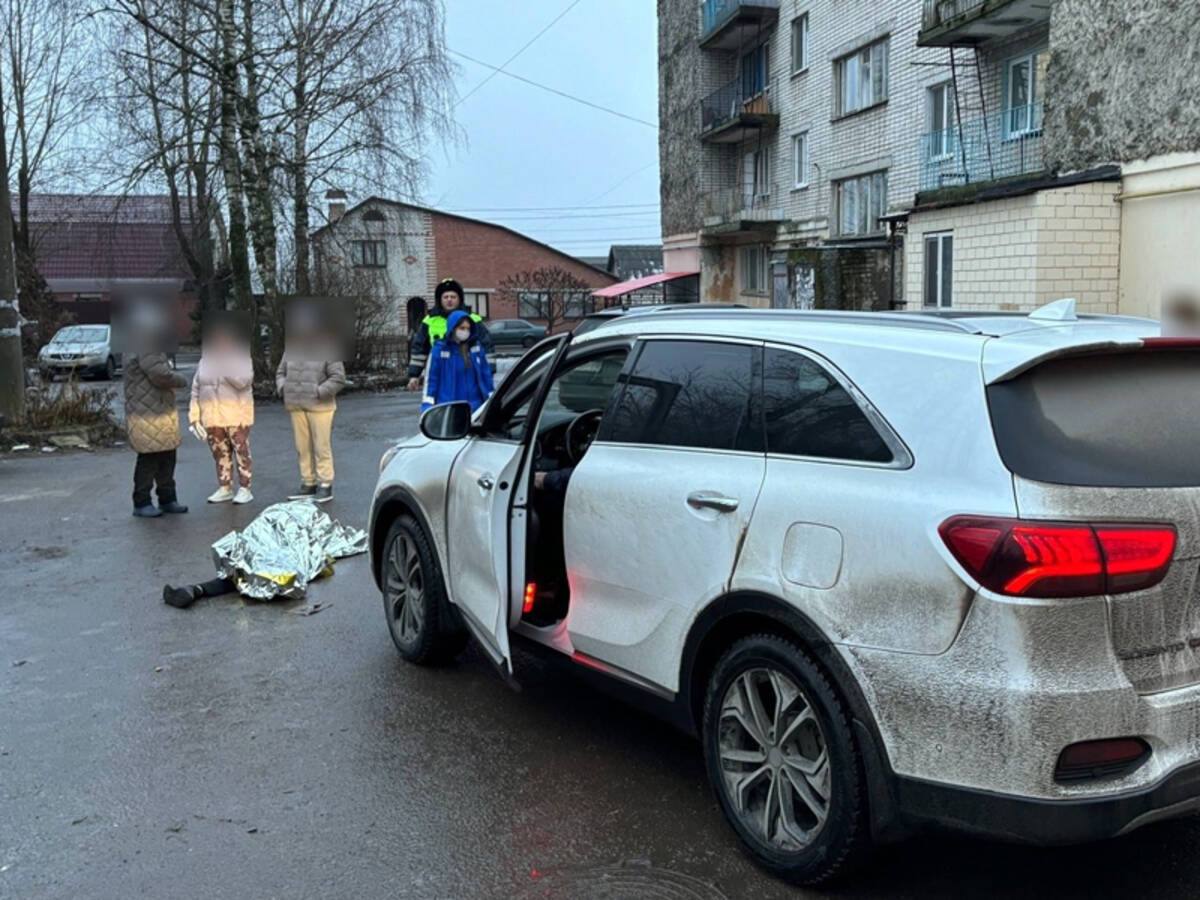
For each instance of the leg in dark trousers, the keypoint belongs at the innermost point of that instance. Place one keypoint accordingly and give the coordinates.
(185, 596)
(145, 473)
(164, 477)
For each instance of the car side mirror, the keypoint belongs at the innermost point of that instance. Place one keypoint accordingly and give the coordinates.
(447, 421)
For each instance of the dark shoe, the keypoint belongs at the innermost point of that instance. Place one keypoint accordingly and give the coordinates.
(149, 511)
(178, 597)
(324, 493)
(173, 507)
(306, 491)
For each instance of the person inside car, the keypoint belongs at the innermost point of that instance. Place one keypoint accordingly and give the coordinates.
(447, 299)
(459, 368)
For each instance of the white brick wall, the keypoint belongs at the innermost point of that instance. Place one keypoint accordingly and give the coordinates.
(1021, 252)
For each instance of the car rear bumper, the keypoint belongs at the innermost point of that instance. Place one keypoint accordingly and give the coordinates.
(1037, 821)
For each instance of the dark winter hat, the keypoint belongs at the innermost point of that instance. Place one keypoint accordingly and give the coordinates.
(448, 284)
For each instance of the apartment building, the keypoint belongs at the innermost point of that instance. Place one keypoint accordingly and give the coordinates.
(796, 131)
(945, 153)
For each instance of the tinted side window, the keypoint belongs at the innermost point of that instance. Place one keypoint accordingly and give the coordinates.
(808, 413)
(688, 394)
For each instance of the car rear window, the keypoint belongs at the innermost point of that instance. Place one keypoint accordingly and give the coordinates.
(1111, 420)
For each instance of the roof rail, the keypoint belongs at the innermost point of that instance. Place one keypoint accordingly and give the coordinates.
(892, 319)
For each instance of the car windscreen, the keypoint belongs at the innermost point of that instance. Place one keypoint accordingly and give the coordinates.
(82, 334)
(1105, 420)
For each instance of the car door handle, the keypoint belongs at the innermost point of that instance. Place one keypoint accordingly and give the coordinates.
(485, 482)
(709, 500)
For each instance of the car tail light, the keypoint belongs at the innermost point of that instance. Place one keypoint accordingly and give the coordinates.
(1088, 760)
(530, 597)
(1059, 559)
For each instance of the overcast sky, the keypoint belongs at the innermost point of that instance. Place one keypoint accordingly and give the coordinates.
(525, 147)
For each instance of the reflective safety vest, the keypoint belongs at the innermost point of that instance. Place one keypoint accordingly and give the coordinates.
(436, 326)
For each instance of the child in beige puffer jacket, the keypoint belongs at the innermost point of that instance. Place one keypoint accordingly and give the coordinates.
(222, 411)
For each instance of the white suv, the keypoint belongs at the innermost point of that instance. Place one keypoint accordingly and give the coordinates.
(894, 569)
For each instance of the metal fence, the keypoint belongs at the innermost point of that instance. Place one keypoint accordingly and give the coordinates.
(736, 99)
(1002, 145)
(743, 204)
(716, 12)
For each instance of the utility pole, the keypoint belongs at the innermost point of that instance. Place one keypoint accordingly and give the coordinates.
(12, 368)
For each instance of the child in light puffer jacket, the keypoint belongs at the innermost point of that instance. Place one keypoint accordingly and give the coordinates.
(222, 411)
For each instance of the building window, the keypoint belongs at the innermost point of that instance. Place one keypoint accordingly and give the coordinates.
(799, 43)
(860, 203)
(755, 71)
(862, 78)
(1024, 79)
(756, 175)
(368, 254)
(940, 101)
(939, 263)
(753, 265)
(478, 301)
(800, 160)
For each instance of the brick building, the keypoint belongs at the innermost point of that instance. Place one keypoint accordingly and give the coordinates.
(89, 246)
(973, 154)
(401, 251)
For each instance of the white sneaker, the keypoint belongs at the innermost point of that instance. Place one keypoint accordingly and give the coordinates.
(243, 495)
(222, 495)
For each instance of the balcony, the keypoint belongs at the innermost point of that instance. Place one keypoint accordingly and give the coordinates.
(730, 210)
(970, 23)
(730, 24)
(1000, 146)
(732, 113)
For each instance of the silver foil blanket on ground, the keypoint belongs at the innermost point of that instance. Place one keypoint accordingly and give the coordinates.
(284, 548)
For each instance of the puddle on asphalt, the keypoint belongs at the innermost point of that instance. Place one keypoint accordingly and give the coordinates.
(631, 881)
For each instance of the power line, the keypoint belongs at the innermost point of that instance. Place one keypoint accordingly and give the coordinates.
(652, 213)
(500, 71)
(623, 180)
(546, 208)
(525, 47)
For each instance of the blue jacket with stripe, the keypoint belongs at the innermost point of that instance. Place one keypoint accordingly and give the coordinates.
(455, 375)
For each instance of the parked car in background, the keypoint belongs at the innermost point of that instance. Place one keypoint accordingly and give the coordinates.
(80, 349)
(509, 334)
(976, 608)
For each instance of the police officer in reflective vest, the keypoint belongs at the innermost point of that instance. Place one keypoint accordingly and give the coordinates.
(447, 297)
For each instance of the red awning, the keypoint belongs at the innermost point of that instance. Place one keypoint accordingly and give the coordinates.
(636, 284)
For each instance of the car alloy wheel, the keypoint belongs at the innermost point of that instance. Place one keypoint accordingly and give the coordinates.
(773, 759)
(784, 761)
(424, 627)
(405, 590)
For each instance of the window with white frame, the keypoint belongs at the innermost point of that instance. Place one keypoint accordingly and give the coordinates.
(753, 265)
(861, 201)
(1024, 83)
(939, 266)
(478, 301)
(800, 160)
(940, 102)
(756, 175)
(862, 78)
(800, 43)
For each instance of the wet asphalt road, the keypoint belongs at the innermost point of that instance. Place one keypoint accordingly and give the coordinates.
(238, 750)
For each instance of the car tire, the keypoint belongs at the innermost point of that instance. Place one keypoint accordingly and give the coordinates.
(110, 369)
(414, 597)
(528, 342)
(804, 779)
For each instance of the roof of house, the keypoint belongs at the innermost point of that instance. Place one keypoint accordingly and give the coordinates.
(629, 261)
(438, 212)
(101, 239)
(596, 262)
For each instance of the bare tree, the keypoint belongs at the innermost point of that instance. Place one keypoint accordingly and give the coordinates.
(549, 294)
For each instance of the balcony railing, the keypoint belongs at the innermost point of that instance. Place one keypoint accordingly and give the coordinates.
(728, 112)
(718, 15)
(974, 22)
(1003, 145)
(742, 207)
